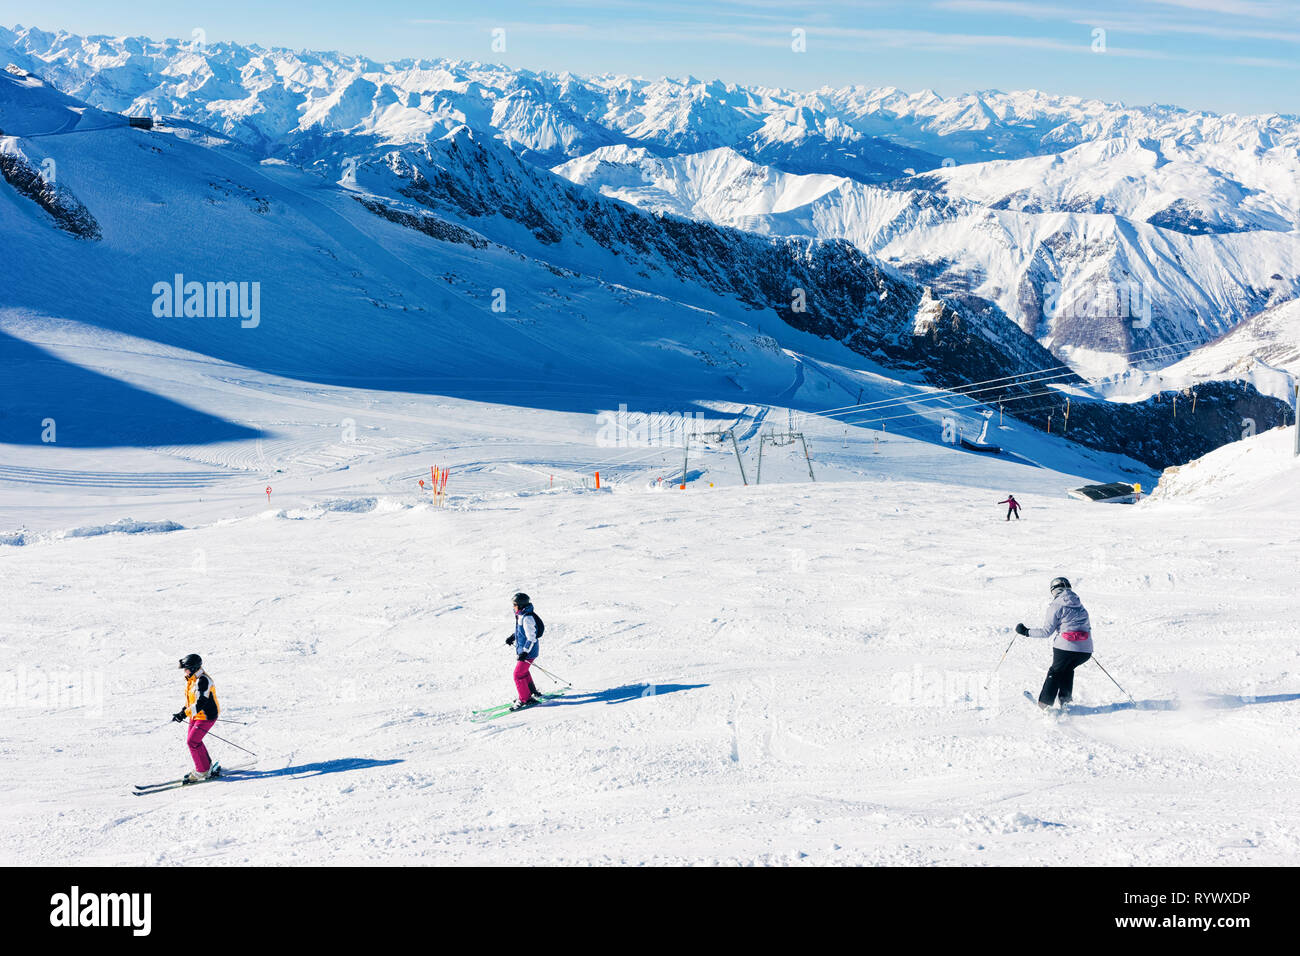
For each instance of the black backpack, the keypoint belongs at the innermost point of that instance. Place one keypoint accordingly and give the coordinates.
(541, 625)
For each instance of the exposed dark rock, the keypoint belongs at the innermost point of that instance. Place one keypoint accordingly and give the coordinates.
(66, 209)
(429, 225)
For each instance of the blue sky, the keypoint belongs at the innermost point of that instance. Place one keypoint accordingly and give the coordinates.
(1221, 55)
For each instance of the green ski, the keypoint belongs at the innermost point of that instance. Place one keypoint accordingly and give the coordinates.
(492, 713)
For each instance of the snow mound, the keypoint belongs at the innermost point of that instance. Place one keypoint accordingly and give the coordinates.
(355, 506)
(124, 526)
(358, 506)
(1256, 470)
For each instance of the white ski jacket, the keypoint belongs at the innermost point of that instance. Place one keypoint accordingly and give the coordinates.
(1067, 619)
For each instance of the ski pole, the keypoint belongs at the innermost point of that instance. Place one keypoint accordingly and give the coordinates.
(1114, 681)
(554, 676)
(236, 746)
(999, 664)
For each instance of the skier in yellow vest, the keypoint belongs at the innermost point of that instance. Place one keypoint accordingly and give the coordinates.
(201, 708)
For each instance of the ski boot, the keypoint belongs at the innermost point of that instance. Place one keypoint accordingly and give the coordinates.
(521, 704)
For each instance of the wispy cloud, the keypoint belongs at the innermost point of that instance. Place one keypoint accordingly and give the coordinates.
(1143, 25)
(1260, 9)
(861, 39)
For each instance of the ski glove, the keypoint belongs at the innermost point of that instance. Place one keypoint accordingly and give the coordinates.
(178, 716)
(510, 639)
(1022, 630)
(523, 657)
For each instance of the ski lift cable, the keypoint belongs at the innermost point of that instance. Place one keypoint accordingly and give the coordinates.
(1005, 378)
(940, 393)
(970, 385)
(959, 408)
(1019, 398)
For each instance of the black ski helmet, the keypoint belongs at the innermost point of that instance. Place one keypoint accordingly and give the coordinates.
(191, 662)
(522, 600)
(1060, 584)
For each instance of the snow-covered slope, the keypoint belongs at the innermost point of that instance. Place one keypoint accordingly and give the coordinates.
(1257, 473)
(1197, 188)
(379, 284)
(719, 185)
(1264, 350)
(989, 124)
(324, 268)
(789, 674)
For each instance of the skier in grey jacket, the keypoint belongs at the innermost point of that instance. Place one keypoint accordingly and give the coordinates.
(1067, 621)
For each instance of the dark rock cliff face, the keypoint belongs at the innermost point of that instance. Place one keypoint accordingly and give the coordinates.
(1163, 430)
(431, 226)
(66, 209)
(1183, 215)
(827, 288)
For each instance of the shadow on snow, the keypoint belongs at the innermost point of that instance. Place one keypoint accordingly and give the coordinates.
(1216, 702)
(314, 769)
(91, 410)
(618, 695)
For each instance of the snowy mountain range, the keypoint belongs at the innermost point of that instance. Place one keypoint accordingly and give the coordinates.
(1079, 281)
(383, 206)
(1112, 234)
(261, 95)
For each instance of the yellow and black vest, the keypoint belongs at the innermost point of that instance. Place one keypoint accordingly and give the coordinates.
(200, 697)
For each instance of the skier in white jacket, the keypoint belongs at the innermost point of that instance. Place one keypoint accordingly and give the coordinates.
(527, 642)
(1067, 621)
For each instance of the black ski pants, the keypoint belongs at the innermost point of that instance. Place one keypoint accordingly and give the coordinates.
(1060, 676)
(1011, 511)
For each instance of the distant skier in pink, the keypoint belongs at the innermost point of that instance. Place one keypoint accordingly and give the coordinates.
(1013, 507)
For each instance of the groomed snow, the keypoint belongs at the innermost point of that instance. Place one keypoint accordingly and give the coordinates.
(793, 673)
